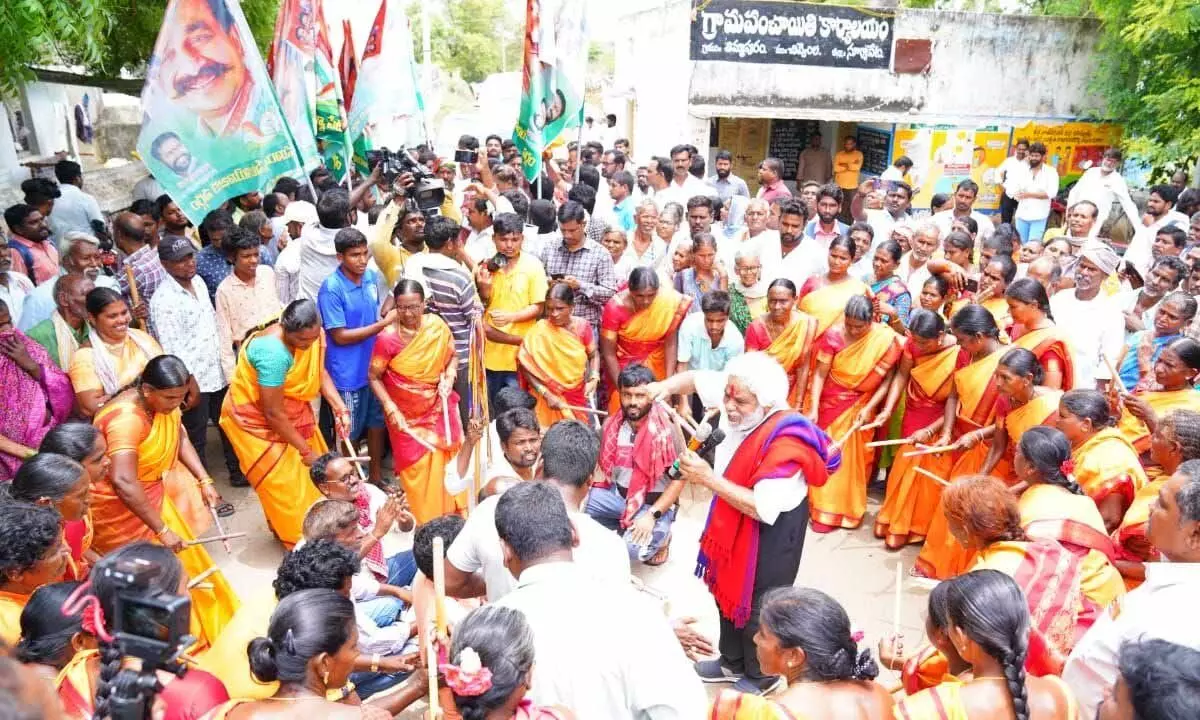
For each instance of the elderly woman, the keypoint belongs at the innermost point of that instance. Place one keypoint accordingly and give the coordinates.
(755, 532)
(747, 289)
(646, 247)
(38, 395)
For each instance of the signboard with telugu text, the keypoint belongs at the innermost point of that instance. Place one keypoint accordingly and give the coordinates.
(791, 33)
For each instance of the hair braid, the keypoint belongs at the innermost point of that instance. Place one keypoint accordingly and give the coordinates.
(1014, 674)
(110, 666)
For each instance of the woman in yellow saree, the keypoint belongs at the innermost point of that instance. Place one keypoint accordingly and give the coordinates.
(1175, 374)
(268, 415)
(1106, 465)
(983, 514)
(787, 335)
(854, 362)
(1054, 507)
(145, 438)
(971, 416)
(115, 353)
(925, 374)
(640, 325)
(558, 360)
(1033, 330)
(991, 620)
(1023, 404)
(412, 372)
(824, 296)
(1176, 439)
(805, 636)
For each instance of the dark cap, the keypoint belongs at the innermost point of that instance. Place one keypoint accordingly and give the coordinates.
(175, 247)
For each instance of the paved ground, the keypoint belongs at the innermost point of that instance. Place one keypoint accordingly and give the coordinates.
(853, 567)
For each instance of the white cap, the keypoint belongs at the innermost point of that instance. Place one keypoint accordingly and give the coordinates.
(300, 211)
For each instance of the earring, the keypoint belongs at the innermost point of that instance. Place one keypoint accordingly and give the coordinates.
(325, 678)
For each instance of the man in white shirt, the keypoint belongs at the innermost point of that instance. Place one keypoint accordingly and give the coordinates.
(684, 185)
(1010, 175)
(1096, 322)
(1162, 607)
(75, 210)
(1101, 186)
(726, 183)
(795, 257)
(1160, 212)
(1037, 186)
(964, 203)
(620, 661)
(914, 264)
(759, 478)
(475, 563)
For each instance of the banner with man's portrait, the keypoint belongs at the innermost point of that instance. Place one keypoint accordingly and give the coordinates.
(212, 127)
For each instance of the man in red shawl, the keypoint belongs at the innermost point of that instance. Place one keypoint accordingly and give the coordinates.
(760, 476)
(636, 448)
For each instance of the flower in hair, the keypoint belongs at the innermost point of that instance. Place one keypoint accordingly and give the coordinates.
(1067, 467)
(469, 678)
(856, 635)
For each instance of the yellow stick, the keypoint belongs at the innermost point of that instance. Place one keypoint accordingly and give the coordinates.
(134, 295)
(899, 599)
(842, 440)
(885, 443)
(931, 476)
(439, 584)
(432, 661)
(352, 454)
(930, 451)
(588, 410)
(1116, 377)
(196, 581)
(215, 538)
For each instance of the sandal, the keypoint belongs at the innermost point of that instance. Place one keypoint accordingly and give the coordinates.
(225, 509)
(663, 554)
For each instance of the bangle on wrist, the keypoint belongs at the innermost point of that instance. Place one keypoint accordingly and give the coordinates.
(162, 531)
(206, 481)
(375, 662)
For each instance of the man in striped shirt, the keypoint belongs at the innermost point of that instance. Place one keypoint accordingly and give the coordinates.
(447, 274)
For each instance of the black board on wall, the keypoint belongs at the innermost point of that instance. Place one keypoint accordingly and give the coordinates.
(876, 146)
(788, 138)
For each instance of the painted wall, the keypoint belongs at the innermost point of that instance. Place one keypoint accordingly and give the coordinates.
(984, 68)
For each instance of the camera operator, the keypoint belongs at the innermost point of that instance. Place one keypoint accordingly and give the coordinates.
(181, 698)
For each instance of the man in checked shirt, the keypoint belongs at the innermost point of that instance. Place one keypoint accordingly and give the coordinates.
(581, 263)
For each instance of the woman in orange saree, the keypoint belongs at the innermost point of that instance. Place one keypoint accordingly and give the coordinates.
(1106, 465)
(268, 415)
(1054, 507)
(990, 617)
(1033, 330)
(1175, 374)
(413, 367)
(971, 416)
(145, 438)
(640, 325)
(1176, 439)
(559, 361)
(84, 444)
(1023, 405)
(824, 296)
(936, 660)
(925, 374)
(787, 335)
(854, 361)
(983, 514)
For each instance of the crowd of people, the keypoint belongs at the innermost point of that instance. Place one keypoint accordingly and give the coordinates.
(531, 374)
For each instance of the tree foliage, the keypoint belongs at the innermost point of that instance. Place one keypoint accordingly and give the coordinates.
(1149, 74)
(104, 37)
(473, 38)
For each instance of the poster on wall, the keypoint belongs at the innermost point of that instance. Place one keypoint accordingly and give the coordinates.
(943, 156)
(746, 138)
(1071, 147)
(792, 33)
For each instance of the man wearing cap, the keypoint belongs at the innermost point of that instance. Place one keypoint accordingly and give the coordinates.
(1096, 322)
(186, 326)
(298, 215)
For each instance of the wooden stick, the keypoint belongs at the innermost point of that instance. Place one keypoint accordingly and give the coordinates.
(432, 667)
(842, 440)
(930, 451)
(134, 295)
(931, 476)
(195, 582)
(203, 586)
(439, 585)
(872, 426)
(886, 443)
(1116, 377)
(423, 443)
(899, 599)
(215, 538)
(220, 528)
(709, 414)
(588, 410)
(446, 417)
(685, 422)
(353, 456)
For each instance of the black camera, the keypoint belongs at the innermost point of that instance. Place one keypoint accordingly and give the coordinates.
(427, 192)
(150, 625)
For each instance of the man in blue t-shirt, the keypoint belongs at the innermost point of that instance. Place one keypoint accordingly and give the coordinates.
(349, 303)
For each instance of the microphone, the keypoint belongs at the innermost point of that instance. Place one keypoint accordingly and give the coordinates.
(706, 438)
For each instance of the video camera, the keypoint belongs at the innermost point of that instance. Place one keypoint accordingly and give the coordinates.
(427, 192)
(151, 626)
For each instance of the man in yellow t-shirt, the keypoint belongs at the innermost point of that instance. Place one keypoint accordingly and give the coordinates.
(846, 166)
(513, 295)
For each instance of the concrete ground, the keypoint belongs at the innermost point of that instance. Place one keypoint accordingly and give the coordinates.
(852, 566)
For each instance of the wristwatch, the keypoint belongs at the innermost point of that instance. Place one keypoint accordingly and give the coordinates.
(656, 513)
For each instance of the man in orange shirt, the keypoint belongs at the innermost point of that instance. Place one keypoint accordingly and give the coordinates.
(846, 166)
